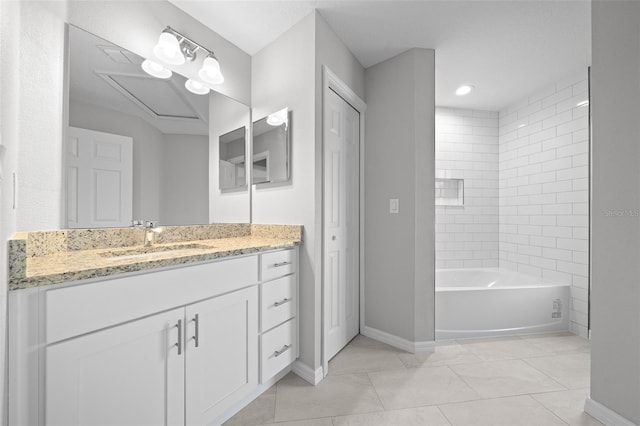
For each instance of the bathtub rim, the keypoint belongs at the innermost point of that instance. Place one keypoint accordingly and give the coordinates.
(544, 283)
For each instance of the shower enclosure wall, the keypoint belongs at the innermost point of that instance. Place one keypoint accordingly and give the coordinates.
(526, 189)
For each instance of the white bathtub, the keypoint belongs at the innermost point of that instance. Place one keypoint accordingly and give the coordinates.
(496, 302)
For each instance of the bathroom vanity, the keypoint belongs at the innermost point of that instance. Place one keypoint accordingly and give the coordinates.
(162, 336)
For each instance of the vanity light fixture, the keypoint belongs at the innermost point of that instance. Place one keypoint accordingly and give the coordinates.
(195, 87)
(210, 71)
(155, 69)
(464, 90)
(175, 48)
(278, 118)
(168, 49)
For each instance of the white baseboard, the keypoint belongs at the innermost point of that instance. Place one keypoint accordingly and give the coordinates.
(307, 373)
(604, 414)
(399, 342)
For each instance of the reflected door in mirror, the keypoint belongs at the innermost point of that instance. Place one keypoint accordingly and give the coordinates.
(99, 179)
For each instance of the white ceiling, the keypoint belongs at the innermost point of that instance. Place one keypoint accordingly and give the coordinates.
(507, 49)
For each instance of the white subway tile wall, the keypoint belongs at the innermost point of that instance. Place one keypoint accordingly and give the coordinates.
(467, 148)
(544, 189)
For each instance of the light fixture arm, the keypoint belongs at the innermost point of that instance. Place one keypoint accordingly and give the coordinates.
(187, 45)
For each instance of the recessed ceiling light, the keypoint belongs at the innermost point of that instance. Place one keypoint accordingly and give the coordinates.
(582, 103)
(464, 90)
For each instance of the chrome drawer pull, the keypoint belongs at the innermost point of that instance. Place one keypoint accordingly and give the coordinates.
(179, 344)
(282, 302)
(281, 351)
(277, 265)
(196, 319)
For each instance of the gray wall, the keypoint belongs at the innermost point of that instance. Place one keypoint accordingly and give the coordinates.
(399, 163)
(615, 203)
(287, 73)
(184, 192)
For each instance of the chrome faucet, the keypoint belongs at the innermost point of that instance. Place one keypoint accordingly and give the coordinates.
(150, 230)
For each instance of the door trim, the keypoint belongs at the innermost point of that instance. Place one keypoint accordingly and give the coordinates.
(330, 81)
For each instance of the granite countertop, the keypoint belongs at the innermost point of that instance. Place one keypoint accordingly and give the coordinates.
(45, 267)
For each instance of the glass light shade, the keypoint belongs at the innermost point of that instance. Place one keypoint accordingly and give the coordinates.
(168, 49)
(464, 90)
(278, 118)
(155, 69)
(210, 71)
(196, 87)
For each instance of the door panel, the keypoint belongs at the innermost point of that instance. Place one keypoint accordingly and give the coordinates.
(223, 367)
(341, 223)
(130, 374)
(99, 179)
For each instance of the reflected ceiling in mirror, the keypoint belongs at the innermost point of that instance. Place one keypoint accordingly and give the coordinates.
(109, 93)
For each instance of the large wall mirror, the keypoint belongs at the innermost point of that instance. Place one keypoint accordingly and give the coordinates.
(141, 147)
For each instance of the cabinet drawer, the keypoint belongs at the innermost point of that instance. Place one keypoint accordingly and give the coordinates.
(277, 301)
(277, 264)
(278, 349)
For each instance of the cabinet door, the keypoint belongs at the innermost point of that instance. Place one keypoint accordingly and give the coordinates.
(222, 354)
(130, 374)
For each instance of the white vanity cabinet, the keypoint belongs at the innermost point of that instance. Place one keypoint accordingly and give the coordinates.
(221, 354)
(190, 364)
(278, 312)
(189, 345)
(129, 374)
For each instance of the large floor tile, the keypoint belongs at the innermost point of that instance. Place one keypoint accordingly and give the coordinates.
(333, 396)
(364, 355)
(505, 378)
(502, 348)
(569, 406)
(572, 370)
(326, 421)
(422, 416)
(261, 410)
(443, 355)
(511, 411)
(558, 343)
(418, 387)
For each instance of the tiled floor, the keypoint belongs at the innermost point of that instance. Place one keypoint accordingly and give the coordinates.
(524, 380)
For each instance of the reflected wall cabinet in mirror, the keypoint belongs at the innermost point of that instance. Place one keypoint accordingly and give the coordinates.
(232, 172)
(143, 147)
(271, 148)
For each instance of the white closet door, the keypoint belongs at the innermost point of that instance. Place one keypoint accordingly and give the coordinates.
(99, 179)
(341, 223)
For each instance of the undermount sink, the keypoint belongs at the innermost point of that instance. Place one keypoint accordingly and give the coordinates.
(147, 251)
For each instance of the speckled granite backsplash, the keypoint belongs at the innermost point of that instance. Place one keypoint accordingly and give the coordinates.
(25, 248)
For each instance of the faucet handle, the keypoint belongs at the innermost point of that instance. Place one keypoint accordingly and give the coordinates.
(150, 223)
(137, 222)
